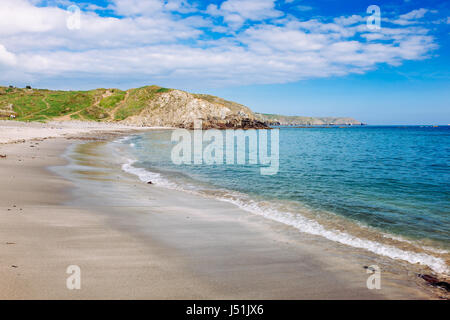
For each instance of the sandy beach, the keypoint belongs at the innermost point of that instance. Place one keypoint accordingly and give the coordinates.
(137, 241)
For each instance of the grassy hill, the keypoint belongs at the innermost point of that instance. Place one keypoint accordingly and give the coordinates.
(98, 104)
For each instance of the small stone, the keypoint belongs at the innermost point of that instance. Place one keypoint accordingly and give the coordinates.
(149, 182)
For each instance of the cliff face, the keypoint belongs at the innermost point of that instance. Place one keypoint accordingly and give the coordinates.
(276, 119)
(176, 108)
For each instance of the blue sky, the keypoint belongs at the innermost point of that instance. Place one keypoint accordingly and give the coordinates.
(295, 57)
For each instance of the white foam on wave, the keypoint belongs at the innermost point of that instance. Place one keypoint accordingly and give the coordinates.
(144, 175)
(313, 227)
(122, 139)
(302, 223)
(428, 248)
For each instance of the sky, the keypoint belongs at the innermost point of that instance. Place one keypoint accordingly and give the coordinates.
(381, 62)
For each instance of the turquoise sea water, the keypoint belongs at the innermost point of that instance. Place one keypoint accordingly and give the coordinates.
(391, 181)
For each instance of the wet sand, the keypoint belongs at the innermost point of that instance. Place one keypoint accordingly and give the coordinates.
(138, 241)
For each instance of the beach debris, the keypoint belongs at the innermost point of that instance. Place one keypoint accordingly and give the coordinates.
(10, 243)
(2, 155)
(149, 182)
(14, 266)
(435, 282)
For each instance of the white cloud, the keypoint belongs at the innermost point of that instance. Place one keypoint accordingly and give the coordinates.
(137, 7)
(411, 17)
(181, 6)
(6, 57)
(415, 14)
(236, 12)
(25, 27)
(351, 20)
(149, 48)
(20, 16)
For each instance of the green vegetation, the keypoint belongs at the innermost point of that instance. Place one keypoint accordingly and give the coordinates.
(105, 102)
(111, 101)
(24, 104)
(160, 90)
(137, 100)
(97, 105)
(63, 103)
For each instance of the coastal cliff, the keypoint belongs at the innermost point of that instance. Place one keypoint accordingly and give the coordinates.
(145, 106)
(176, 108)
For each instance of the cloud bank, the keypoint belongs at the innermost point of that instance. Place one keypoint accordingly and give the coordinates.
(233, 43)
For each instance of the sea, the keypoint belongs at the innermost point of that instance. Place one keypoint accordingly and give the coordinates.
(385, 189)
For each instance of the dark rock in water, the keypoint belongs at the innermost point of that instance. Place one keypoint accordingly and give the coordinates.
(2, 155)
(433, 281)
(149, 182)
(428, 278)
(230, 122)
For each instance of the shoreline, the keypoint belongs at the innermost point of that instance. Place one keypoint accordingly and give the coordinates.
(154, 243)
(338, 229)
(41, 237)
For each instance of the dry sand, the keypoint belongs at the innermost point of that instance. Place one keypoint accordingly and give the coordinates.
(154, 243)
(15, 131)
